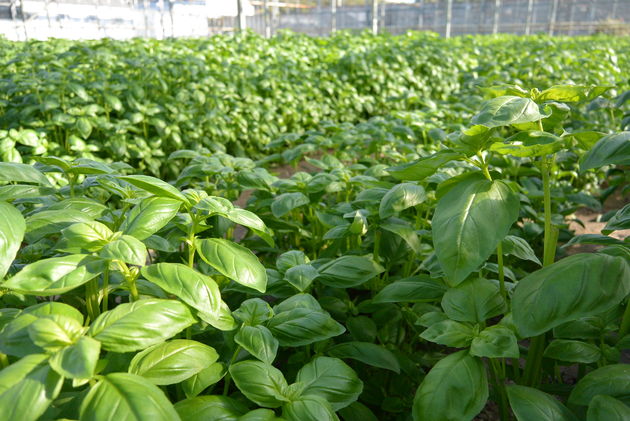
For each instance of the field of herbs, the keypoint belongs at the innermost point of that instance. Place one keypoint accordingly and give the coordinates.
(355, 228)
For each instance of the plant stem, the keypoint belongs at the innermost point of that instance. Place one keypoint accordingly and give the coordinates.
(625, 321)
(499, 381)
(501, 270)
(105, 288)
(191, 242)
(537, 345)
(4, 360)
(228, 378)
(91, 299)
(377, 245)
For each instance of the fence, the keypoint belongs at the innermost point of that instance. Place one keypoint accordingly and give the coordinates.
(450, 17)
(24, 19)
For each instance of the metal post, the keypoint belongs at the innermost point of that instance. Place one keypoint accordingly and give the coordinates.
(333, 16)
(552, 18)
(375, 17)
(495, 22)
(242, 22)
(267, 22)
(530, 17)
(449, 16)
(421, 14)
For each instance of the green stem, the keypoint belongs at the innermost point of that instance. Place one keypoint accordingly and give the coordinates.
(228, 378)
(91, 299)
(191, 242)
(105, 288)
(537, 345)
(501, 271)
(499, 381)
(625, 321)
(377, 245)
(4, 360)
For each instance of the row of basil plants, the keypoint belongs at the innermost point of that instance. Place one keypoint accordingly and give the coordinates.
(137, 101)
(376, 287)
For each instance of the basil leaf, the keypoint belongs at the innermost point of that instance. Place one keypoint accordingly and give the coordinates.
(460, 375)
(12, 228)
(577, 286)
(135, 326)
(27, 388)
(234, 261)
(172, 362)
(126, 397)
(56, 275)
(469, 222)
(532, 404)
(261, 383)
(330, 379)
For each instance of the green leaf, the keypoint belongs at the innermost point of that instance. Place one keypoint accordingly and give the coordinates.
(406, 232)
(12, 228)
(253, 222)
(172, 362)
(301, 276)
(123, 396)
(348, 271)
(495, 342)
(27, 388)
(56, 275)
(53, 332)
(150, 216)
(399, 198)
(127, 249)
(138, 325)
(303, 326)
(571, 93)
(47, 222)
(469, 222)
(155, 185)
(577, 286)
(357, 412)
(195, 289)
(197, 383)
(458, 375)
(612, 380)
(286, 202)
(606, 408)
(309, 408)
(531, 143)
(261, 383)
(532, 404)
(89, 236)
(221, 319)
(77, 361)
(254, 312)
(15, 336)
(330, 379)
(619, 221)
(449, 333)
(290, 259)
(609, 150)
(416, 289)
(572, 351)
(367, 353)
(507, 110)
(424, 167)
(234, 261)
(206, 408)
(516, 246)
(475, 301)
(258, 341)
(21, 173)
(260, 415)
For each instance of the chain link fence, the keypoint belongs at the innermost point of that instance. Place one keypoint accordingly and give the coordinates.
(120, 19)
